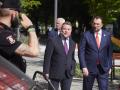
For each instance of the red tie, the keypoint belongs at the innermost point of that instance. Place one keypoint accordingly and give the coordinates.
(98, 44)
(97, 40)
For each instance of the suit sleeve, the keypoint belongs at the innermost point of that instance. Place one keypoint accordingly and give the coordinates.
(73, 57)
(73, 61)
(50, 34)
(110, 52)
(82, 51)
(47, 57)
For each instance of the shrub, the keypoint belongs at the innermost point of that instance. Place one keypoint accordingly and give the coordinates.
(78, 72)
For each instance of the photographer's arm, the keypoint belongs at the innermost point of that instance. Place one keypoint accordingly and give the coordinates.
(32, 48)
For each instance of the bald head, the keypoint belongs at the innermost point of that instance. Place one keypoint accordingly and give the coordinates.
(59, 23)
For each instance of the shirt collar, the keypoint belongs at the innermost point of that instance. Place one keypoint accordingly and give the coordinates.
(100, 32)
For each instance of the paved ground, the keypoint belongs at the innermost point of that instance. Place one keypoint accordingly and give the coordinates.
(34, 64)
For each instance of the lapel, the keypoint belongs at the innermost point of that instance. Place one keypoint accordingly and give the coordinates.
(103, 39)
(93, 40)
(70, 45)
(56, 32)
(60, 43)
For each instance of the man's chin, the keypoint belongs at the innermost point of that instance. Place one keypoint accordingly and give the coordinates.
(96, 30)
(65, 36)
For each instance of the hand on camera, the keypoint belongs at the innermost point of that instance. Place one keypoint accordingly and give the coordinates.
(26, 22)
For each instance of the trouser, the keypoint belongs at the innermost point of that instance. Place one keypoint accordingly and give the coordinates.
(65, 84)
(102, 80)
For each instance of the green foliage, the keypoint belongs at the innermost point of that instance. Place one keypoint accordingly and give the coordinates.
(30, 4)
(117, 71)
(76, 10)
(108, 9)
(78, 72)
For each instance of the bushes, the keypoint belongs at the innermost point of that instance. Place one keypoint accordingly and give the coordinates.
(78, 72)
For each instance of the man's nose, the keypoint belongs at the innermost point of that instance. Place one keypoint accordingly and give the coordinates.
(65, 31)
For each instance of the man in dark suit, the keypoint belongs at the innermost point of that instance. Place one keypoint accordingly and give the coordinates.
(59, 62)
(56, 31)
(95, 55)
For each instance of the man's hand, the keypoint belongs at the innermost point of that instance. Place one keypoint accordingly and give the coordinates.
(110, 71)
(32, 48)
(26, 22)
(46, 76)
(85, 72)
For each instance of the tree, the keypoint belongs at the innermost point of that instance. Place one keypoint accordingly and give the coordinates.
(108, 9)
(72, 10)
(31, 7)
(30, 4)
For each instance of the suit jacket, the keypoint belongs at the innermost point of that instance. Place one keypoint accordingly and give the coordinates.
(53, 33)
(56, 62)
(89, 52)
